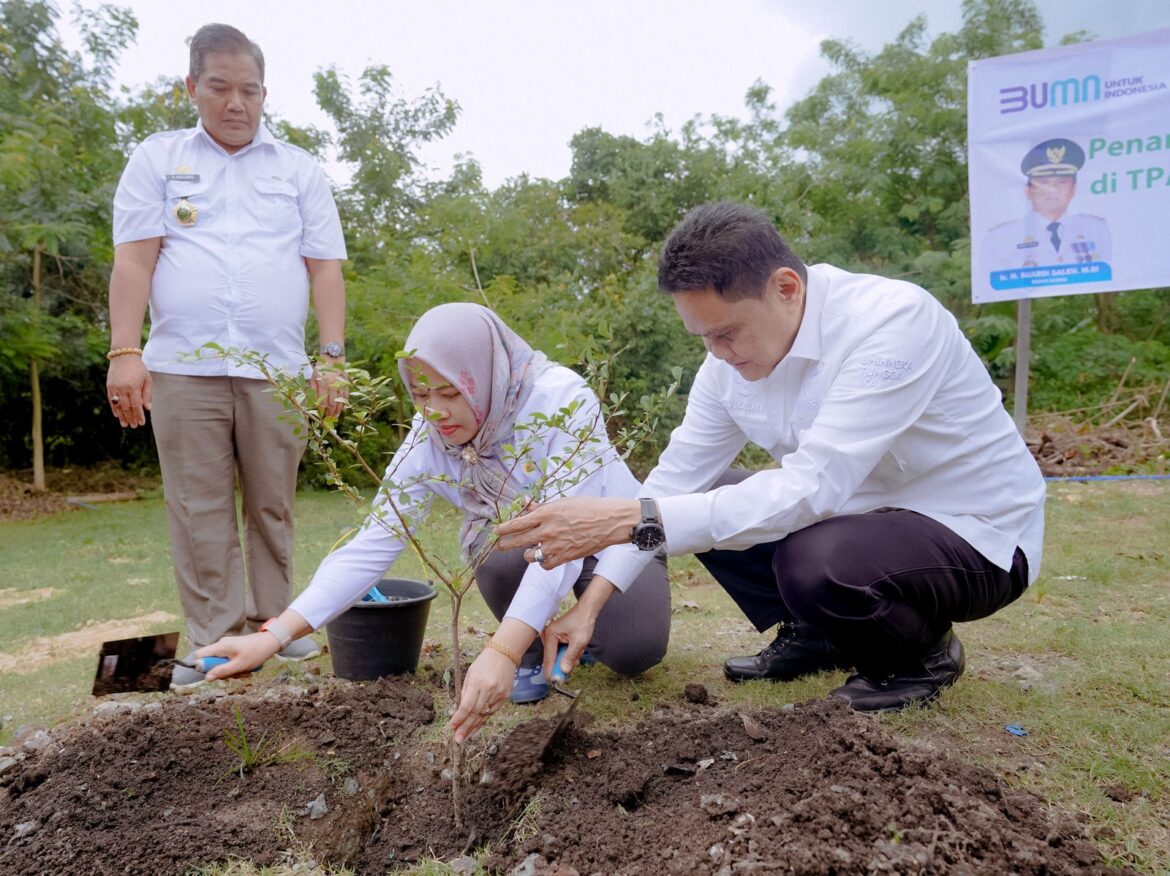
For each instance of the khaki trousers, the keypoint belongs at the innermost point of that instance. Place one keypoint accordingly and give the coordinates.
(212, 432)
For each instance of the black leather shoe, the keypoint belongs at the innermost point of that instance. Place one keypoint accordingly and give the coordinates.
(797, 650)
(941, 666)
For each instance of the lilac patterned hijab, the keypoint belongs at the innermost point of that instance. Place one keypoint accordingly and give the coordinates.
(494, 369)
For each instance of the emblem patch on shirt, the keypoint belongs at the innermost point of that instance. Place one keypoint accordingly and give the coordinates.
(183, 174)
(185, 212)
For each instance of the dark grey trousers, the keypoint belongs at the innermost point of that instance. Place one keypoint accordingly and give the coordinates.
(632, 630)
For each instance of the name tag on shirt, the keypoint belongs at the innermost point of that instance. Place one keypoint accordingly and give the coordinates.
(182, 177)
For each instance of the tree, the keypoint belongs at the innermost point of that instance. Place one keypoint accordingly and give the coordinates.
(400, 506)
(378, 136)
(58, 156)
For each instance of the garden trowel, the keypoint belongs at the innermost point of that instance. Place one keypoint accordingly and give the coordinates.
(557, 681)
(142, 664)
(523, 755)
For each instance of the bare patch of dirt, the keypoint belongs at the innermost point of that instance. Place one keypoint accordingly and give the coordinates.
(10, 596)
(49, 649)
(813, 788)
(1029, 672)
(19, 501)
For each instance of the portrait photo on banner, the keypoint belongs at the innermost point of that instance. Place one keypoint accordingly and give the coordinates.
(1069, 169)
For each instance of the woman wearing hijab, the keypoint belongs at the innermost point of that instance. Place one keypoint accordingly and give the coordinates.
(480, 388)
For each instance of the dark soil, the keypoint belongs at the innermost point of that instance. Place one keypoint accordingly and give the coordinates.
(19, 501)
(809, 789)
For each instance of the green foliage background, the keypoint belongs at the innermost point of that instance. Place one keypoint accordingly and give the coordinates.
(868, 172)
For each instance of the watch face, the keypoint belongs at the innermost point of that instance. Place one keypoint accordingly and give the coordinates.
(649, 536)
(333, 350)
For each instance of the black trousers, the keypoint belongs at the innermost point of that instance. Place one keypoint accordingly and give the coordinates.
(882, 586)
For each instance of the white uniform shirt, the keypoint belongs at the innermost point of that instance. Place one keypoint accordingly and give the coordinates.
(348, 573)
(881, 402)
(1027, 242)
(236, 275)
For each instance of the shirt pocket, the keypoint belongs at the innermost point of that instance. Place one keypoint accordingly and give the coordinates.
(188, 204)
(276, 204)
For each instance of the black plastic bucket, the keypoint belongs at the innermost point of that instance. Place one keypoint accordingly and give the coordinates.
(374, 639)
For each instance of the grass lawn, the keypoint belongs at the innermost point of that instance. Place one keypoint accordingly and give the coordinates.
(1081, 662)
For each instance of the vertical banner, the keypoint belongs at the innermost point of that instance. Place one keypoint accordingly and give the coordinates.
(1069, 169)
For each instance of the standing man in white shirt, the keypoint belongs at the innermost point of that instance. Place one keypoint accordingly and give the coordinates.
(905, 499)
(224, 230)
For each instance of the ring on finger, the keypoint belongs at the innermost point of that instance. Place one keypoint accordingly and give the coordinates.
(114, 399)
(538, 555)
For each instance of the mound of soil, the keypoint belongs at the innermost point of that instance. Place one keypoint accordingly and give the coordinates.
(364, 781)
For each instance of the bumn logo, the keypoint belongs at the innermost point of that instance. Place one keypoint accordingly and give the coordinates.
(1059, 92)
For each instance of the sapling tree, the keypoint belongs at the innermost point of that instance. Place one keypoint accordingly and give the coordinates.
(402, 501)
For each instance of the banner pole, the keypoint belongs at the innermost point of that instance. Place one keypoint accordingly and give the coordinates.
(1023, 357)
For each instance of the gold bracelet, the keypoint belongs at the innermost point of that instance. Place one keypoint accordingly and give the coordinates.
(505, 650)
(124, 351)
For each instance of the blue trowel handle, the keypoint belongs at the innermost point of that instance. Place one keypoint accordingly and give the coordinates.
(206, 664)
(557, 673)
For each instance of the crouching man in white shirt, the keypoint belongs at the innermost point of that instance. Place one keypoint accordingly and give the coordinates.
(905, 499)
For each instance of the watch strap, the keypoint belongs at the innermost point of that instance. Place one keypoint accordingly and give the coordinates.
(282, 633)
(650, 511)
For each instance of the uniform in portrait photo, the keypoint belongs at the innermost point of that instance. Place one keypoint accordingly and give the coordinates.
(1049, 233)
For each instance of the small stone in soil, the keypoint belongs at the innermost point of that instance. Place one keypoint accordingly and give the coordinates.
(25, 828)
(463, 866)
(753, 728)
(317, 808)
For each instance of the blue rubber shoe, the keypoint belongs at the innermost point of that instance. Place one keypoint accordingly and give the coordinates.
(529, 686)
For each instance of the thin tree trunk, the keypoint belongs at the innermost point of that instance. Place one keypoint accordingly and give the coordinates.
(456, 748)
(34, 376)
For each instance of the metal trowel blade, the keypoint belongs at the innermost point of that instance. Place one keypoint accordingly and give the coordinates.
(141, 664)
(565, 720)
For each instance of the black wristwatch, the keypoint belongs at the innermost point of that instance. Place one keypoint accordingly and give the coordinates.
(648, 533)
(333, 350)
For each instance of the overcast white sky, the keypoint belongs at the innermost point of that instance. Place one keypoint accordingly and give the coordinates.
(528, 74)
